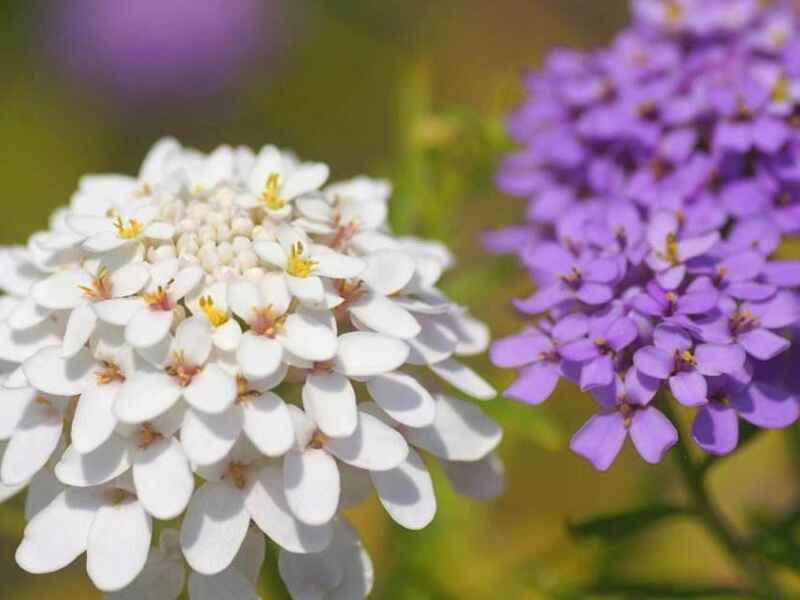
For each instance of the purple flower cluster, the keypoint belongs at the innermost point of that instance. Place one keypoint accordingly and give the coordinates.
(662, 174)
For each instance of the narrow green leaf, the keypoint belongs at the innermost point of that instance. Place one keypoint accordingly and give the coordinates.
(623, 524)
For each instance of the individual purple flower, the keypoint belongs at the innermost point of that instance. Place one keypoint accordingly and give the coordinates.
(734, 275)
(536, 352)
(669, 251)
(586, 279)
(675, 307)
(625, 409)
(674, 357)
(716, 425)
(599, 350)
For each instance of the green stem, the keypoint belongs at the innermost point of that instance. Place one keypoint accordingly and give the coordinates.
(716, 524)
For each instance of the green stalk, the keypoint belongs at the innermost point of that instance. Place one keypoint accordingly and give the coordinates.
(714, 521)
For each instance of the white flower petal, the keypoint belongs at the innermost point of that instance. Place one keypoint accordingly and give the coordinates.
(464, 379)
(27, 314)
(159, 231)
(51, 373)
(388, 271)
(80, 327)
(208, 438)
(214, 528)
(384, 316)
(310, 576)
(373, 446)
(434, 344)
(304, 179)
(148, 327)
(145, 396)
(308, 335)
(275, 292)
(362, 354)
(94, 420)
(62, 290)
(162, 578)
(193, 340)
(259, 356)
(13, 405)
(271, 253)
(211, 391)
(186, 280)
(312, 485)
(34, 441)
(227, 336)
(403, 398)
(128, 280)
(119, 542)
(108, 461)
(163, 479)
(338, 266)
(58, 534)
(230, 584)
(268, 424)
(460, 432)
(329, 399)
(42, 490)
(308, 290)
(406, 492)
(270, 510)
(18, 346)
(243, 298)
(481, 480)
(119, 311)
(105, 241)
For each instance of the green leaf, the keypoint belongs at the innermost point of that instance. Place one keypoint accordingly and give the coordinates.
(623, 524)
(648, 591)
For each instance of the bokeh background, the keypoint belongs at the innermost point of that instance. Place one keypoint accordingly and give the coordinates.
(414, 90)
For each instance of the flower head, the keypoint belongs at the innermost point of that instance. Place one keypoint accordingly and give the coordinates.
(661, 176)
(220, 341)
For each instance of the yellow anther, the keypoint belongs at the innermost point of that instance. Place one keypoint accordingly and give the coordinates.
(687, 357)
(180, 370)
(109, 373)
(117, 496)
(266, 322)
(600, 341)
(147, 436)
(672, 249)
(100, 288)
(299, 265)
(214, 315)
(129, 231)
(781, 91)
(674, 11)
(237, 475)
(270, 196)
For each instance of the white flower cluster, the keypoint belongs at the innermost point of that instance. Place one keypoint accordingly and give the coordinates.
(227, 341)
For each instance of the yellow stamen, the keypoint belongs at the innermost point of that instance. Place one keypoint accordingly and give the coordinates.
(129, 231)
(270, 196)
(101, 287)
(109, 373)
(672, 249)
(214, 315)
(781, 92)
(147, 436)
(237, 475)
(298, 264)
(687, 357)
(157, 300)
(674, 11)
(182, 371)
(266, 322)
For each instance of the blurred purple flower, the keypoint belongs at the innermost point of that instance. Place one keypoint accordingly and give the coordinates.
(661, 173)
(156, 51)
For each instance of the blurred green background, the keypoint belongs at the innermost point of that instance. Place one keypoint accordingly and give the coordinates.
(414, 90)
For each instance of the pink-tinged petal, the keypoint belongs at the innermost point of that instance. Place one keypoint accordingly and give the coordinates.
(719, 359)
(652, 434)
(518, 350)
(654, 362)
(600, 439)
(716, 429)
(534, 384)
(597, 373)
(767, 406)
(689, 388)
(762, 343)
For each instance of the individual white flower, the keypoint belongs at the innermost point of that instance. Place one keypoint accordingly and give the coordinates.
(310, 472)
(276, 179)
(77, 290)
(131, 225)
(265, 308)
(343, 571)
(304, 264)
(162, 477)
(237, 489)
(106, 522)
(187, 372)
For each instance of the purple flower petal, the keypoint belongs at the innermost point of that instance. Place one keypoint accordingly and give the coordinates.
(718, 359)
(672, 278)
(581, 350)
(601, 270)
(781, 310)
(621, 333)
(693, 247)
(671, 339)
(654, 362)
(594, 293)
(716, 428)
(652, 434)
(689, 388)
(543, 299)
(640, 388)
(767, 406)
(694, 303)
(551, 258)
(518, 350)
(597, 373)
(750, 290)
(783, 273)
(570, 328)
(600, 439)
(762, 343)
(534, 384)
